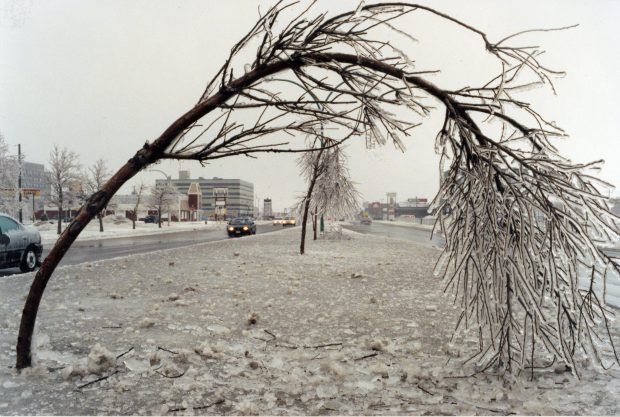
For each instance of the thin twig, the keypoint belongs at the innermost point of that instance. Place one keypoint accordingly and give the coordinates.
(166, 350)
(171, 377)
(371, 355)
(423, 389)
(97, 380)
(124, 353)
(201, 407)
(324, 345)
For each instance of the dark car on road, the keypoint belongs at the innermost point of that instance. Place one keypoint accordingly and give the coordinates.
(241, 226)
(150, 219)
(20, 246)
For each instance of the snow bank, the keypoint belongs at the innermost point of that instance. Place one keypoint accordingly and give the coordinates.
(248, 326)
(122, 228)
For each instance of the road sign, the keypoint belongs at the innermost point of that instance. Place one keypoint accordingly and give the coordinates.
(31, 191)
(25, 191)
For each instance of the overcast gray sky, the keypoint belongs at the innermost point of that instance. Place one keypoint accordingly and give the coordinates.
(102, 77)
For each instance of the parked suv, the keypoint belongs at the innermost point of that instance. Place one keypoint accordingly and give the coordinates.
(20, 246)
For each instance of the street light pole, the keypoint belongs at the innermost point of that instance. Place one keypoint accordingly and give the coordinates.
(19, 181)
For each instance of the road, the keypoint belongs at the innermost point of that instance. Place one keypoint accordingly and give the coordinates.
(612, 290)
(96, 250)
(395, 231)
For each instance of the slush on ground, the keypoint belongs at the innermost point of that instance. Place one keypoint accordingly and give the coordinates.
(358, 325)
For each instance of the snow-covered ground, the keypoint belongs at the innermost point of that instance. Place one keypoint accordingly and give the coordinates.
(248, 326)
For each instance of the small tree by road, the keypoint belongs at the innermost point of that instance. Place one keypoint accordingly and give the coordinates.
(311, 170)
(330, 189)
(161, 199)
(94, 178)
(139, 193)
(64, 173)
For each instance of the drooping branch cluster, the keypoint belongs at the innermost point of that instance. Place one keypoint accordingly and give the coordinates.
(334, 193)
(523, 254)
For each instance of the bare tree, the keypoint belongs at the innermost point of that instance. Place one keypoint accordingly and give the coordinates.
(95, 177)
(9, 171)
(330, 189)
(64, 173)
(161, 198)
(311, 169)
(523, 218)
(138, 193)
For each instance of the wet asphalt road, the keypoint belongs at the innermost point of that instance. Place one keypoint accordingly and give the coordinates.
(96, 250)
(420, 236)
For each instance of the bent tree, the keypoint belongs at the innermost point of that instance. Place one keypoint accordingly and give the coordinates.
(524, 222)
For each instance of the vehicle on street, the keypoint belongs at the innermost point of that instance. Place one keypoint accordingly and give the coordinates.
(365, 220)
(289, 221)
(241, 226)
(20, 246)
(277, 221)
(150, 219)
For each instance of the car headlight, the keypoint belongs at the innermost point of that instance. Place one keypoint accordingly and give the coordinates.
(231, 229)
(245, 228)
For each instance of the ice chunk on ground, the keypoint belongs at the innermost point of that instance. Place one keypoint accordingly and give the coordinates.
(100, 360)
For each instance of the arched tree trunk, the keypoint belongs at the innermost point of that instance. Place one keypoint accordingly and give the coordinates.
(93, 206)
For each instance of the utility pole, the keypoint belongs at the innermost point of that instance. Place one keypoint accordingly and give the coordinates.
(19, 181)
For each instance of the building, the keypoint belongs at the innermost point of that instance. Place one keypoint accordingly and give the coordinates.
(192, 204)
(416, 207)
(391, 206)
(34, 177)
(267, 208)
(415, 211)
(238, 200)
(413, 207)
(375, 211)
